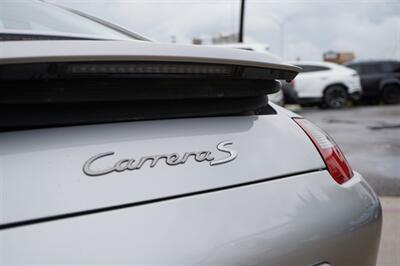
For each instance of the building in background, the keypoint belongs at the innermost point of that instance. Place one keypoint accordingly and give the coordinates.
(338, 57)
(219, 38)
(225, 38)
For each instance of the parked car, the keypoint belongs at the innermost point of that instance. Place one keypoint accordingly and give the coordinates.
(380, 80)
(277, 97)
(138, 153)
(326, 84)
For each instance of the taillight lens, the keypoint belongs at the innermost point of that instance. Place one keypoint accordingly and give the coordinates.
(330, 152)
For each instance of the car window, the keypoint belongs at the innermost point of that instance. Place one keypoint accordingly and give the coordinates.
(387, 67)
(37, 16)
(311, 68)
(355, 67)
(392, 67)
(372, 68)
(395, 67)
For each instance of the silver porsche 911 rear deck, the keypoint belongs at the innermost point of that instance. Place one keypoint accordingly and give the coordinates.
(99, 167)
(273, 204)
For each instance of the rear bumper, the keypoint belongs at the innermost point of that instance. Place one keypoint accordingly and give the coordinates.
(299, 220)
(368, 93)
(355, 96)
(310, 100)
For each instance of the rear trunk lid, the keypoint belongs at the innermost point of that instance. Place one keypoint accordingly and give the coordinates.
(42, 171)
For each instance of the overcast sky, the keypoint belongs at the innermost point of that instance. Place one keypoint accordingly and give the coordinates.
(371, 29)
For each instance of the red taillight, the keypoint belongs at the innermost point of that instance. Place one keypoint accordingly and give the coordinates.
(333, 157)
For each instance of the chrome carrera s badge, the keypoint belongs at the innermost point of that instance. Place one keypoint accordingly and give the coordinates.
(170, 159)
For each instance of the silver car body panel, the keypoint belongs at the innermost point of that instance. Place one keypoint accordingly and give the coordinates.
(38, 165)
(300, 220)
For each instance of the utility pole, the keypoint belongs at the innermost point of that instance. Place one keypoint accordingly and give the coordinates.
(242, 6)
(282, 42)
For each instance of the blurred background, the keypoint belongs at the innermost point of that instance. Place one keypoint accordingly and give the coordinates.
(292, 29)
(350, 55)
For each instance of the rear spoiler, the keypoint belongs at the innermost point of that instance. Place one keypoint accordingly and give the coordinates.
(67, 90)
(69, 82)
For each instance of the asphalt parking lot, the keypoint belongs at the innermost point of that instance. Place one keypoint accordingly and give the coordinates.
(389, 254)
(370, 138)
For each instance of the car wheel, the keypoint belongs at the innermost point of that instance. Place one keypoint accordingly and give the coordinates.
(391, 94)
(335, 97)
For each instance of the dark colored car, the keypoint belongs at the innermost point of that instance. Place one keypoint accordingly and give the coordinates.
(380, 80)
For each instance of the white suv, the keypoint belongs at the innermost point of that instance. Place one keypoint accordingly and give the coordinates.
(326, 84)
